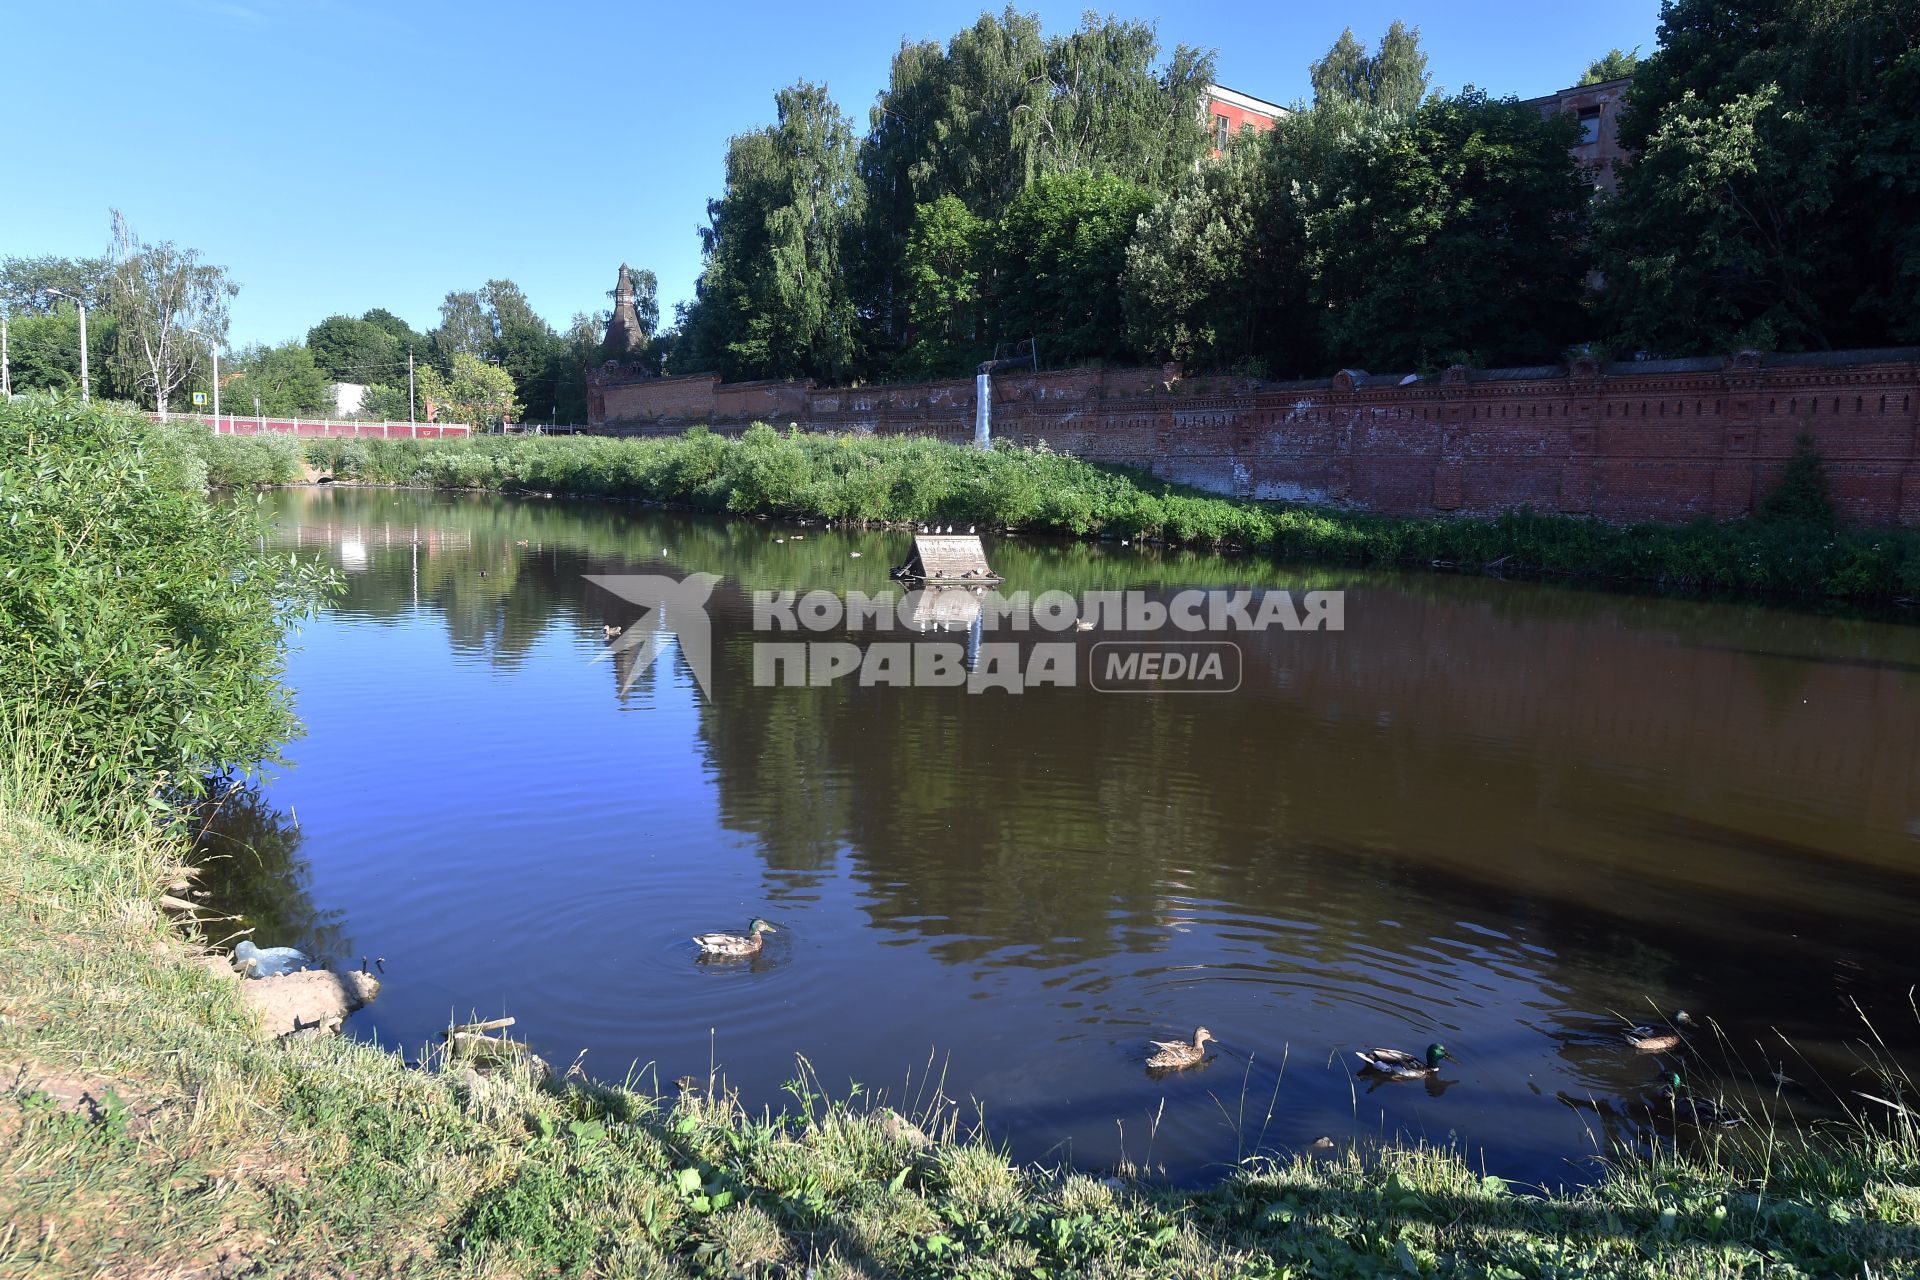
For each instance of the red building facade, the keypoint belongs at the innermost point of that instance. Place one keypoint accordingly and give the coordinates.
(1231, 113)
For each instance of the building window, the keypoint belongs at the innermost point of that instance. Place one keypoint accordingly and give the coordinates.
(1589, 126)
(1220, 127)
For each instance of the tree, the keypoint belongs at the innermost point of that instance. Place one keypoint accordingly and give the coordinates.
(1394, 78)
(157, 292)
(476, 393)
(1458, 234)
(773, 300)
(465, 329)
(1213, 277)
(1002, 105)
(349, 350)
(942, 272)
(286, 380)
(28, 285)
(1775, 199)
(1059, 254)
(1614, 66)
(44, 351)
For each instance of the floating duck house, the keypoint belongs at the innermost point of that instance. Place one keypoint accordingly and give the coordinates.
(947, 559)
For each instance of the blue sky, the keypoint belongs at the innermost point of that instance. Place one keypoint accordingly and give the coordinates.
(337, 155)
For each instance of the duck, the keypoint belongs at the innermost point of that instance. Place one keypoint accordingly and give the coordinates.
(1177, 1055)
(1402, 1065)
(1653, 1039)
(611, 632)
(1673, 1098)
(735, 944)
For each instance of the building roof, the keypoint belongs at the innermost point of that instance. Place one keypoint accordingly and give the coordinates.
(1246, 101)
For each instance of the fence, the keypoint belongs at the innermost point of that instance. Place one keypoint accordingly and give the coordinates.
(233, 425)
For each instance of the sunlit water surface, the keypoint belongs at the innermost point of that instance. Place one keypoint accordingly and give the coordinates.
(1499, 815)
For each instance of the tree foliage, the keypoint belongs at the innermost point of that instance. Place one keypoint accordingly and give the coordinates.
(476, 393)
(286, 380)
(1001, 106)
(1060, 250)
(1775, 200)
(1394, 77)
(1615, 65)
(158, 293)
(943, 269)
(774, 300)
(1413, 230)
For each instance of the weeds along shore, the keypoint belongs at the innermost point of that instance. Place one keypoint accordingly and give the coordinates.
(148, 1128)
(1796, 550)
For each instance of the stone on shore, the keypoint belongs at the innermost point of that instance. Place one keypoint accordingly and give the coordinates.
(313, 999)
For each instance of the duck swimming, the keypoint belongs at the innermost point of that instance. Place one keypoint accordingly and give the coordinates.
(1652, 1039)
(735, 944)
(1402, 1065)
(1176, 1055)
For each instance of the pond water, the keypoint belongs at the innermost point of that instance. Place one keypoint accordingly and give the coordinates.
(1504, 816)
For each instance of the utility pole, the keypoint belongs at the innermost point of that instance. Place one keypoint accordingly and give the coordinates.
(6, 380)
(81, 303)
(409, 386)
(214, 347)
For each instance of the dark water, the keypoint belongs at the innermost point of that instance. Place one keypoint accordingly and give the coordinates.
(1487, 813)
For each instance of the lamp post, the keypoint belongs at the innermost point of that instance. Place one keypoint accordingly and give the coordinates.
(81, 303)
(213, 346)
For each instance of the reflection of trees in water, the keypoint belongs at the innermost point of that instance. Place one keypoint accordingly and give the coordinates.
(1469, 750)
(251, 868)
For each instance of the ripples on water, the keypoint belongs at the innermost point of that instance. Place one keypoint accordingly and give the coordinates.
(1490, 814)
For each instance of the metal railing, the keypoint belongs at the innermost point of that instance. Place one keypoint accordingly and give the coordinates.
(252, 425)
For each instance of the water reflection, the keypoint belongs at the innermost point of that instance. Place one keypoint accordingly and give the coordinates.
(1496, 814)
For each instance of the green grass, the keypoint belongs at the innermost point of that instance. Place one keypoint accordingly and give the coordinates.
(866, 478)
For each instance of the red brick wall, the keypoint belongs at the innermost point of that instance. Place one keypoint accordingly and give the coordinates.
(1668, 440)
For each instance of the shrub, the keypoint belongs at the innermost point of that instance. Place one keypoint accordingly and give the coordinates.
(1801, 496)
(140, 631)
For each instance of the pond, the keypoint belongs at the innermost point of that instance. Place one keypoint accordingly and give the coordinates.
(1509, 817)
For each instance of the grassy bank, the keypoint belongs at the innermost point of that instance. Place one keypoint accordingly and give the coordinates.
(859, 478)
(147, 1129)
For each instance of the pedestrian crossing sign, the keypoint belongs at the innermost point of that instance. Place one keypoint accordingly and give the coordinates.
(199, 397)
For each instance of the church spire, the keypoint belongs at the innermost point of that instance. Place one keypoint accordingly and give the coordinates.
(624, 335)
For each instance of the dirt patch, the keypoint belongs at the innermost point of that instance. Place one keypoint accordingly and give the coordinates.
(316, 1000)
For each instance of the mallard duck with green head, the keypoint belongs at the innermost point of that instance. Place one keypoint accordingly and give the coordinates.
(735, 944)
(1674, 1099)
(1401, 1065)
(1659, 1039)
(1177, 1055)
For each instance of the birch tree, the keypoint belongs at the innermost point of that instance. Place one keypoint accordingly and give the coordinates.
(157, 292)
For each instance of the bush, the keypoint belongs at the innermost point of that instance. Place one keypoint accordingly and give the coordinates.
(1801, 496)
(140, 630)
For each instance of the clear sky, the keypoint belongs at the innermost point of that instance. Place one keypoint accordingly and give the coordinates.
(337, 155)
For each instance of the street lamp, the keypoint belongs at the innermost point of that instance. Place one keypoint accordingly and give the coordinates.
(214, 346)
(80, 302)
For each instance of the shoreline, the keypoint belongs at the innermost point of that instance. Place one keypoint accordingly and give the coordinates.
(899, 482)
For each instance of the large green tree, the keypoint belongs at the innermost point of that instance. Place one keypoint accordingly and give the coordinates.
(774, 299)
(943, 270)
(350, 350)
(1000, 106)
(284, 380)
(1458, 234)
(1059, 252)
(1214, 277)
(1775, 200)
